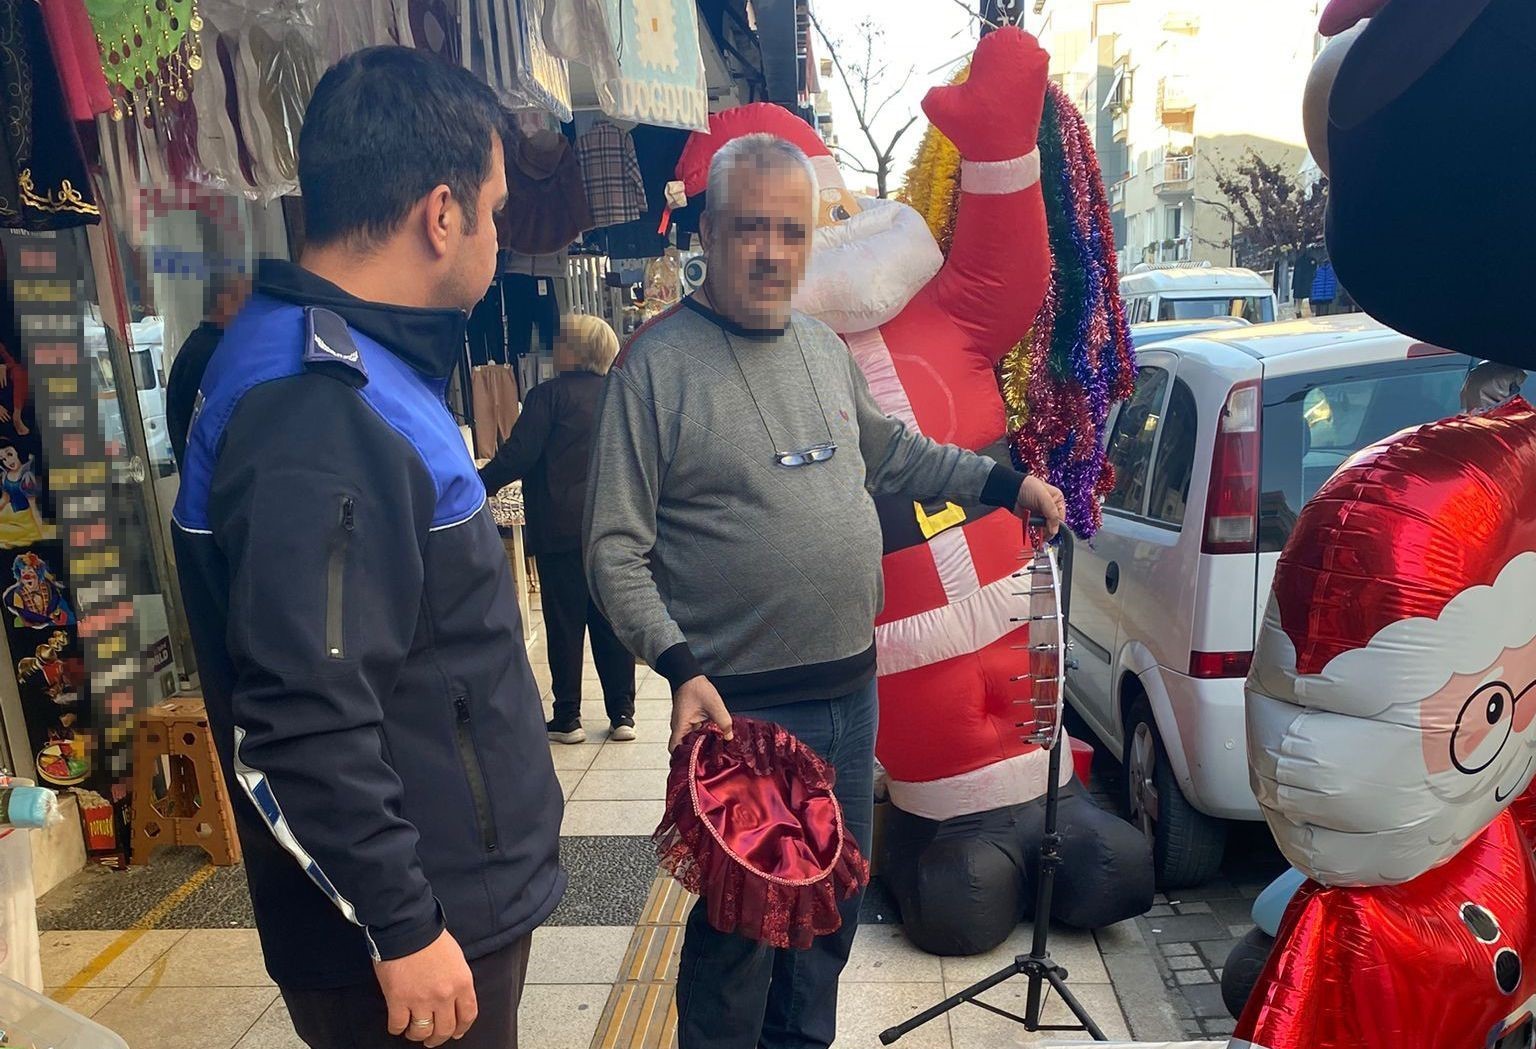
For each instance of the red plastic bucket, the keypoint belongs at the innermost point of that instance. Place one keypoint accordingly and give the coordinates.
(1082, 759)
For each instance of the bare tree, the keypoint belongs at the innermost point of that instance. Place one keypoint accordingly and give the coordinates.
(865, 78)
(1273, 215)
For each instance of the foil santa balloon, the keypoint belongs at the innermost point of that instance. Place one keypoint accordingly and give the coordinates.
(1393, 695)
(929, 331)
(1392, 734)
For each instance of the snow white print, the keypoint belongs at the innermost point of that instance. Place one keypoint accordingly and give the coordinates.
(21, 516)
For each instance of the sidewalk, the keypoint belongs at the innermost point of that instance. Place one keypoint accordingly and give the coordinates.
(166, 956)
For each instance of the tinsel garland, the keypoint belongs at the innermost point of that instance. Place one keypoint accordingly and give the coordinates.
(1077, 360)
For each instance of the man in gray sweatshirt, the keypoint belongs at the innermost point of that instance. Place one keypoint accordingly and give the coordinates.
(733, 543)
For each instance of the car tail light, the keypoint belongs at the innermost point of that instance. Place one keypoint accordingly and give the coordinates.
(1219, 664)
(1424, 349)
(1232, 506)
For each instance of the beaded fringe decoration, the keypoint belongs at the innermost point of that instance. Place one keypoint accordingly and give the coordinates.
(150, 49)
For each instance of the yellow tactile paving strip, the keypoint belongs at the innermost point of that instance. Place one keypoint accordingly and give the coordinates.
(642, 1010)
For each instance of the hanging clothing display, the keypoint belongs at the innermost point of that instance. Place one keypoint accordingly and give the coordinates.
(578, 31)
(529, 302)
(44, 183)
(73, 39)
(496, 403)
(611, 171)
(547, 206)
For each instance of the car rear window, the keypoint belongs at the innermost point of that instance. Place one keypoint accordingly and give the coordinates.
(1313, 423)
(1255, 309)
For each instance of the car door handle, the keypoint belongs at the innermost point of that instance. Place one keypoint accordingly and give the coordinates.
(1112, 577)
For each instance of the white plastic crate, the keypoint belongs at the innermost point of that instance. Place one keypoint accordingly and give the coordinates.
(28, 1020)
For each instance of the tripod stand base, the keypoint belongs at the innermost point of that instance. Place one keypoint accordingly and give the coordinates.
(1041, 970)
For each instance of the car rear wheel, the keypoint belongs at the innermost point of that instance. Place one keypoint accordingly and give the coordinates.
(1187, 845)
(1243, 968)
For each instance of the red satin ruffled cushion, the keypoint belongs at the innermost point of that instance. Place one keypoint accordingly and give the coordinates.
(752, 826)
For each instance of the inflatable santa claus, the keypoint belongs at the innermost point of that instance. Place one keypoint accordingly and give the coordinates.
(928, 331)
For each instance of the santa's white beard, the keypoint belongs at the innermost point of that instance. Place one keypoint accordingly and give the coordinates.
(1349, 799)
(864, 271)
(1337, 759)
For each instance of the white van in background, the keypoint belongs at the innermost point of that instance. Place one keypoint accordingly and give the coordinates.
(1187, 293)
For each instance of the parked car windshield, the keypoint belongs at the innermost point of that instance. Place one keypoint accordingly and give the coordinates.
(1255, 309)
(1313, 423)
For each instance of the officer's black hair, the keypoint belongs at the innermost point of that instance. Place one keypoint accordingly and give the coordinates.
(386, 126)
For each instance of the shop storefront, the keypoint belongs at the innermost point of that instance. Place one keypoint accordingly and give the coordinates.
(150, 164)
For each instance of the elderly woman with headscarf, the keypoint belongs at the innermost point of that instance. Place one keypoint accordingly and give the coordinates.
(548, 452)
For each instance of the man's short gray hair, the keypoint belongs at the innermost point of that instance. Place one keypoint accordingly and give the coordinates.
(761, 152)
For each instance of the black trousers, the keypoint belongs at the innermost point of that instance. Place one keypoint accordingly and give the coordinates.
(357, 1018)
(569, 613)
(733, 993)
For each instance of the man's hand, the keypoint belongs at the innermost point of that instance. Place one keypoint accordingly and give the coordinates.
(697, 703)
(433, 984)
(1037, 498)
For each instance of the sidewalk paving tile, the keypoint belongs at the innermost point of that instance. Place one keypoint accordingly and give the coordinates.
(65, 954)
(577, 954)
(1074, 950)
(864, 1010)
(209, 958)
(882, 954)
(618, 756)
(574, 758)
(560, 1016)
(976, 1027)
(273, 1031)
(185, 1017)
(608, 817)
(621, 785)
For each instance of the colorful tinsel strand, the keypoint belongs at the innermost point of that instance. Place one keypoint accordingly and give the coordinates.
(1077, 360)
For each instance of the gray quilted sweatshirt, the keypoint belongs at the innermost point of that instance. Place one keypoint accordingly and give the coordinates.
(710, 557)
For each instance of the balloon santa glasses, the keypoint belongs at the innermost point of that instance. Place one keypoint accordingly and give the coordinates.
(929, 330)
(1392, 739)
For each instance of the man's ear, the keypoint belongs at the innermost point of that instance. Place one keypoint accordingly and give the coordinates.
(440, 212)
(706, 230)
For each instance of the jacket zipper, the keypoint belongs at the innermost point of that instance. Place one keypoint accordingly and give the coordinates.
(476, 777)
(335, 583)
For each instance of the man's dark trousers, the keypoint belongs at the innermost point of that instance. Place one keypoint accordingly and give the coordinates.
(357, 1018)
(734, 993)
(568, 614)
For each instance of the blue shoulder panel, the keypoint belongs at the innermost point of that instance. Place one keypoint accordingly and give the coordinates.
(272, 340)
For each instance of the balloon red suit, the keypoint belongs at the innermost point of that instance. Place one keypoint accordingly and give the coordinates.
(928, 333)
(1392, 702)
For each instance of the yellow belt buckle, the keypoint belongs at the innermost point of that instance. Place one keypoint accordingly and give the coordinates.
(932, 524)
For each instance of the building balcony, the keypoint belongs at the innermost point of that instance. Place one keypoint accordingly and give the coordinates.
(1176, 101)
(1120, 125)
(1175, 177)
(1117, 194)
(1180, 249)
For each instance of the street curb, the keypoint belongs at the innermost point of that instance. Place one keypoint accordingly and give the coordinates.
(1138, 983)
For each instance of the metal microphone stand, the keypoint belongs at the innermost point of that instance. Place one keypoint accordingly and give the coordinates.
(1038, 965)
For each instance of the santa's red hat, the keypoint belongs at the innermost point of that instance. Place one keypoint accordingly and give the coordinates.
(1404, 528)
(753, 827)
(759, 118)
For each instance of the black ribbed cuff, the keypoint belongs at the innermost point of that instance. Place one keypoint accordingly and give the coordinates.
(1002, 487)
(678, 665)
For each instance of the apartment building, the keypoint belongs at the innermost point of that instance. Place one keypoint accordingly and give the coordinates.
(1177, 90)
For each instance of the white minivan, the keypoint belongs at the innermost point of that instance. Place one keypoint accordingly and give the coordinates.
(1228, 433)
(1188, 293)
